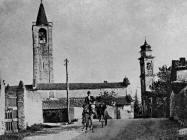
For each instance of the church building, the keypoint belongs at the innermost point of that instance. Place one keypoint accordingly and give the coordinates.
(24, 105)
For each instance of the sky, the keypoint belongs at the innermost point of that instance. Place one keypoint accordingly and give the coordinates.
(101, 38)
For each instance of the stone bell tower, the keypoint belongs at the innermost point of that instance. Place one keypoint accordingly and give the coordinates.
(146, 77)
(42, 48)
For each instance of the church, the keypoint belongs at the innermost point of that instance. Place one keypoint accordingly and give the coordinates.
(24, 105)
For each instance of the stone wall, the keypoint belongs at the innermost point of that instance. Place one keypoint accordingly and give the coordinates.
(2, 109)
(20, 106)
(178, 106)
(42, 56)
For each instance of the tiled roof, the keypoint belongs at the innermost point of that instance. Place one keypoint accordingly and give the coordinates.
(77, 102)
(79, 86)
(15, 88)
(72, 86)
(62, 103)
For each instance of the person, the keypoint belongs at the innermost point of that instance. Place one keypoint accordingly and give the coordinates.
(89, 99)
(102, 112)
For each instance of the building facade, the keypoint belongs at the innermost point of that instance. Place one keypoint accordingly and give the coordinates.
(146, 78)
(178, 97)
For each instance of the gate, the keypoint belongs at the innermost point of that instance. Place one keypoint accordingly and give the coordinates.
(11, 121)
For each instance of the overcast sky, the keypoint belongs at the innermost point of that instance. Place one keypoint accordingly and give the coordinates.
(101, 38)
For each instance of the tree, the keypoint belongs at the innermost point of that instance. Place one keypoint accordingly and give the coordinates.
(126, 81)
(162, 90)
(137, 107)
(107, 97)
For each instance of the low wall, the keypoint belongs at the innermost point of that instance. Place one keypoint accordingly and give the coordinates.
(78, 112)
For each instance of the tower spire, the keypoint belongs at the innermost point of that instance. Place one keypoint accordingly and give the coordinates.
(41, 18)
(145, 40)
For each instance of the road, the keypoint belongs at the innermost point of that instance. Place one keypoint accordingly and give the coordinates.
(132, 129)
(109, 132)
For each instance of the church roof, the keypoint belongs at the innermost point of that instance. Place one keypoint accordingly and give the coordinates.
(79, 86)
(41, 18)
(72, 86)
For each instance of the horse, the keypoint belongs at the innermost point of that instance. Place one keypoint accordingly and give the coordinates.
(102, 114)
(87, 116)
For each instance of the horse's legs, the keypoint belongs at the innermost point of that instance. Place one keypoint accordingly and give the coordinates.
(105, 121)
(91, 123)
(83, 122)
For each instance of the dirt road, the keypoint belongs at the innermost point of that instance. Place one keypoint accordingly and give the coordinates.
(109, 132)
(132, 129)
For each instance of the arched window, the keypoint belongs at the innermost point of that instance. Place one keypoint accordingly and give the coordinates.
(42, 35)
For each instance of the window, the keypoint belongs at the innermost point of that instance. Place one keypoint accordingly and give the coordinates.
(42, 35)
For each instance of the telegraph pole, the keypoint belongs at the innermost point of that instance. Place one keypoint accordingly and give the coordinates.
(67, 89)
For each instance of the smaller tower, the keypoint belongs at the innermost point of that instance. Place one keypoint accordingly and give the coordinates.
(146, 77)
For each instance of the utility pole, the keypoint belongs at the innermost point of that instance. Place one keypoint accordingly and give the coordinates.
(67, 89)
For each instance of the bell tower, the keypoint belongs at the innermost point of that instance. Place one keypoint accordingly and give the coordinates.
(146, 77)
(42, 48)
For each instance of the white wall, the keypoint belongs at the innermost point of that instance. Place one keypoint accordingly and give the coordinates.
(33, 108)
(126, 112)
(2, 109)
(78, 113)
(80, 93)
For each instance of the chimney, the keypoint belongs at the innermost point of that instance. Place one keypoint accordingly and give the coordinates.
(105, 82)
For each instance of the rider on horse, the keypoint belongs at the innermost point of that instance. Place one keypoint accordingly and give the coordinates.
(87, 107)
